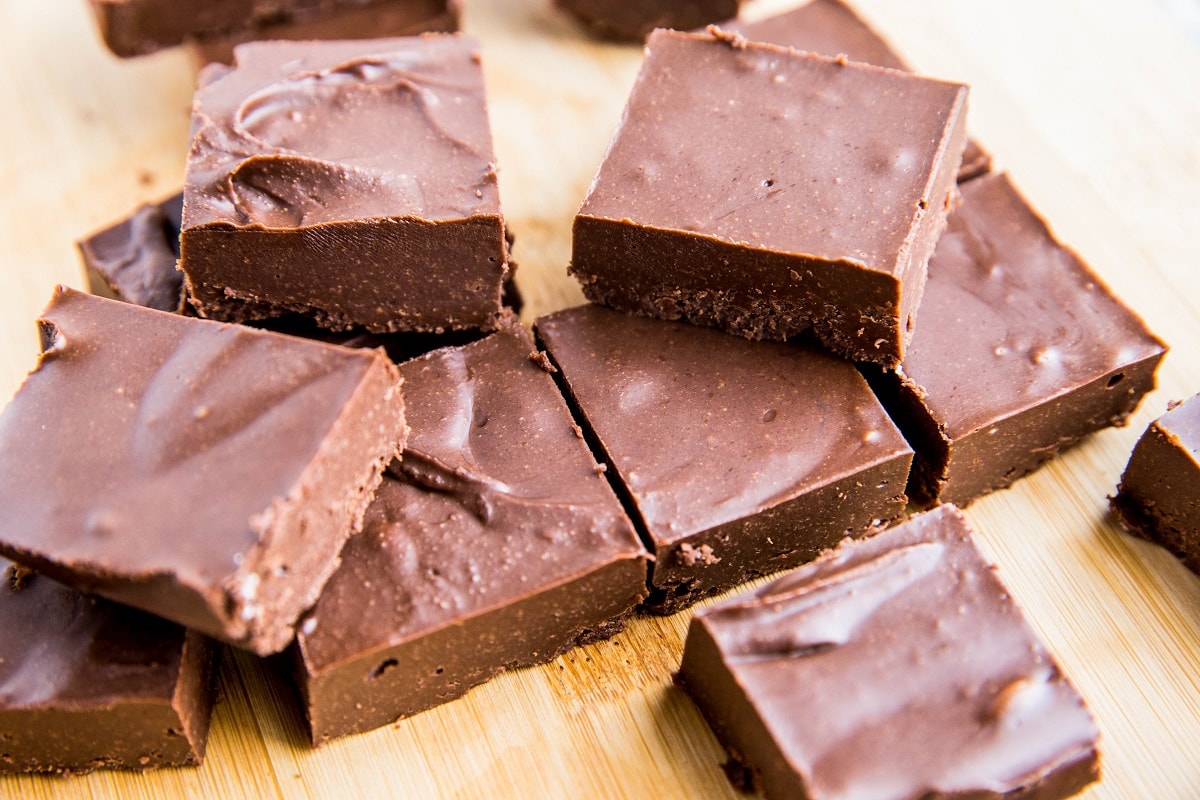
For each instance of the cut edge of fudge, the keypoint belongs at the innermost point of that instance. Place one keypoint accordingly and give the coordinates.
(726, 673)
(621, 21)
(861, 311)
(1158, 496)
(257, 604)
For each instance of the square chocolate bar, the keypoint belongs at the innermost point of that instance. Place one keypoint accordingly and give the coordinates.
(1020, 351)
(770, 193)
(203, 472)
(350, 181)
(831, 27)
(87, 684)
(736, 458)
(898, 666)
(496, 543)
(1159, 494)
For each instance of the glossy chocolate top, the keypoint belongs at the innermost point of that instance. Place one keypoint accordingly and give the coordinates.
(776, 149)
(823, 26)
(60, 648)
(899, 666)
(1009, 306)
(147, 444)
(301, 134)
(135, 258)
(706, 428)
(497, 498)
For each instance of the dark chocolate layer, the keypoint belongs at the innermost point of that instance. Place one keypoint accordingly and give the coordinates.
(632, 20)
(897, 666)
(739, 458)
(352, 181)
(1159, 494)
(831, 27)
(87, 684)
(1020, 351)
(496, 543)
(207, 473)
(134, 259)
(812, 201)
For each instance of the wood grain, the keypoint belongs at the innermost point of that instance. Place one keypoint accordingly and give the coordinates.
(1090, 105)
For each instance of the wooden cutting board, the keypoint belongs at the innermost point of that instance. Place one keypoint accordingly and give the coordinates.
(1091, 105)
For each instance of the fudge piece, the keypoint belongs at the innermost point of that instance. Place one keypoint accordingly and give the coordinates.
(831, 27)
(134, 260)
(897, 667)
(623, 20)
(496, 543)
(87, 684)
(736, 458)
(351, 181)
(139, 27)
(1020, 352)
(810, 203)
(1158, 497)
(206, 473)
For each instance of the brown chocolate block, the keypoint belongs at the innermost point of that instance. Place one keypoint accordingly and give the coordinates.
(203, 472)
(139, 27)
(1159, 494)
(632, 20)
(737, 458)
(831, 27)
(350, 181)
(811, 202)
(134, 259)
(496, 544)
(898, 666)
(1020, 351)
(87, 684)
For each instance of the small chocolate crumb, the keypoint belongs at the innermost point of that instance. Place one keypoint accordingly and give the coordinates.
(18, 576)
(543, 361)
(697, 555)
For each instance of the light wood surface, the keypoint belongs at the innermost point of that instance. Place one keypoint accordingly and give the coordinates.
(1091, 104)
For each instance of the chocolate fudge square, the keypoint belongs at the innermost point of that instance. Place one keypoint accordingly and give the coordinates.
(87, 684)
(350, 181)
(1021, 352)
(1159, 495)
(771, 192)
(134, 259)
(894, 667)
(632, 20)
(831, 27)
(138, 27)
(736, 458)
(496, 543)
(206, 473)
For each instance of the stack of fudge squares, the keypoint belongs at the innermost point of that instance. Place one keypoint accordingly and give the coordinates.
(814, 304)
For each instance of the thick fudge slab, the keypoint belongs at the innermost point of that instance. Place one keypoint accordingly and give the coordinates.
(134, 259)
(811, 202)
(206, 473)
(139, 27)
(737, 458)
(1021, 351)
(87, 684)
(351, 181)
(898, 666)
(1159, 494)
(831, 27)
(623, 20)
(496, 543)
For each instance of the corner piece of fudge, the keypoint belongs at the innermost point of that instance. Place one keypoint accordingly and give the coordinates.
(495, 543)
(88, 684)
(770, 192)
(1020, 351)
(1158, 497)
(736, 458)
(207, 473)
(831, 27)
(354, 182)
(896, 666)
(134, 260)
